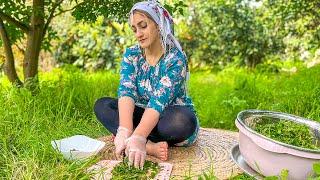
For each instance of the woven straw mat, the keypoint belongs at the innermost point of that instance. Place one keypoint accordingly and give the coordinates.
(211, 150)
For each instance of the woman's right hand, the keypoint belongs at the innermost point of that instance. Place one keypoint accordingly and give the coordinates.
(119, 141)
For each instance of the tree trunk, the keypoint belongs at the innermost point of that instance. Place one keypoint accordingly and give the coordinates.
(34, 40)
(9, 67)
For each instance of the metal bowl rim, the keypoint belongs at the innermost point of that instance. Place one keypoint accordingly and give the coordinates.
(291, 117)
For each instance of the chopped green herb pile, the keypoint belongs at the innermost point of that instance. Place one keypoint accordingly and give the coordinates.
(287, 132)
(123, 171)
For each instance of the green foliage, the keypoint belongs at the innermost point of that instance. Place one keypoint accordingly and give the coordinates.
(99, 43)
(222, 96)
(293, 9)
(207, 176)
(90, 10)
(298, 22)
(64, 107)
(286, 131)
(242, 176)
(214, 33)
(223, 32)
(34, 19)
(124, 171)
(92, 46)
(316, 168)
(283, 176)
(18, 10)
(230, 32)
(22, 12)
(316, 171)
(177, 7)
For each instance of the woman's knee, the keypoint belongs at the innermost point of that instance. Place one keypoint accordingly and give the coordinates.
(107, 113)
(177, 121)
(103, 108)
(102, 104)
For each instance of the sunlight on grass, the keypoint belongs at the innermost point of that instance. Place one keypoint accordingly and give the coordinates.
(64, 107)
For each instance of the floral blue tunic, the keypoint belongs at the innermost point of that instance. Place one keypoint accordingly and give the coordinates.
(156, 86)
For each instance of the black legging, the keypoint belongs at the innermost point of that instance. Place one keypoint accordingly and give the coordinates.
(176, 123)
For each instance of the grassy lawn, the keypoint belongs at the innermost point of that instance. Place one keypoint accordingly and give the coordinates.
(64, 105)
(219, 97)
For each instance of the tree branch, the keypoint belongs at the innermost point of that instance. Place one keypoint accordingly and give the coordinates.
(51, 16)
(9, 67)
(68, 9)
(24, 27)
(20, 48)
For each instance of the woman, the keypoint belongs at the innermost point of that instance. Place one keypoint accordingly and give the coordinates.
(153, 110)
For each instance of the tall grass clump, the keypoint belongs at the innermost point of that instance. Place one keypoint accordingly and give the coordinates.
(63, 107)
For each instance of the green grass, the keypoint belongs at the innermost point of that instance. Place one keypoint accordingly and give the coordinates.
(219, 98)
(64, 107)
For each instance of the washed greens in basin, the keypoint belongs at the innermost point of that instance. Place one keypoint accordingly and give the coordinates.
(285, 131)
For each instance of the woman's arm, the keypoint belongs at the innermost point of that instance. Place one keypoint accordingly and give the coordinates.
(126, 108)
(127, 91)
(148, 121)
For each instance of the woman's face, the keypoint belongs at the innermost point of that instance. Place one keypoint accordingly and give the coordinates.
(145, 30)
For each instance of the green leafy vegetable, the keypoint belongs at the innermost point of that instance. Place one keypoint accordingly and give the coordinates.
(316, 168)
(124, 171)
(287, 132)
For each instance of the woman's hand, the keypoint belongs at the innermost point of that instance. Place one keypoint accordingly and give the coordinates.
(120, 140)
(136, 150)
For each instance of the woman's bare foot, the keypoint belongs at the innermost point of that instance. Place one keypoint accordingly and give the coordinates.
(159, 150)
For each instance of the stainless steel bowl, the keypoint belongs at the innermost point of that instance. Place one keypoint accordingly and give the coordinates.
(268, 156)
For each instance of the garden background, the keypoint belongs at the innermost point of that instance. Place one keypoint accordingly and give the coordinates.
(58, 56)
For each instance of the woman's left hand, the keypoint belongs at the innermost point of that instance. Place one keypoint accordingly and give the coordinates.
(136, 150)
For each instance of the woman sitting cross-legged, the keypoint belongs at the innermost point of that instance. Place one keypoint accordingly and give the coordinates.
(153, 110)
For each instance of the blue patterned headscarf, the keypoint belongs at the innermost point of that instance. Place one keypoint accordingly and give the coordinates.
(162, 18)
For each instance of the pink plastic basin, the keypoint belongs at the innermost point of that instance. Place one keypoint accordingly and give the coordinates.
(269, 157)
